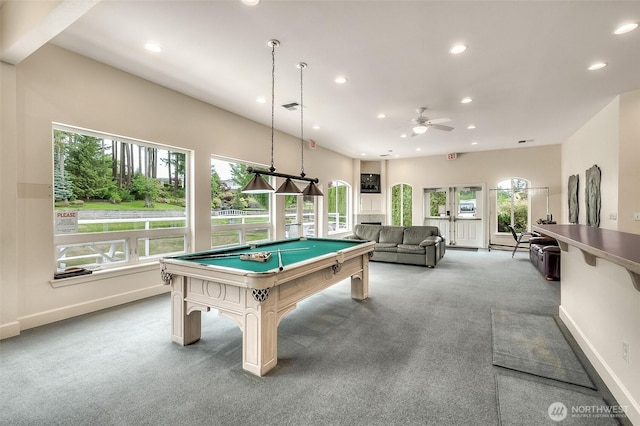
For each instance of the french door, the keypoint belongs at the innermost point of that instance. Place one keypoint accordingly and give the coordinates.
(300, 216)
(458, 212)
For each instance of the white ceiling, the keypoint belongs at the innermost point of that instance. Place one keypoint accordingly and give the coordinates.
(525, 68)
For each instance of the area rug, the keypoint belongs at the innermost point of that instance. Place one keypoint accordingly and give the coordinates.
(525, 402)
(534, 344)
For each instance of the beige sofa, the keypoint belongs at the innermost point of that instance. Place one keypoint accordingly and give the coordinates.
(415, 245)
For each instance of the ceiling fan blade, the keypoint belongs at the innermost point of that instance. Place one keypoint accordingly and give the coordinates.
(441, 127)
(439, 120)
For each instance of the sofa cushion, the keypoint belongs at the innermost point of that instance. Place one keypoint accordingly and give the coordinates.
(386, 247)
(391, 234)
(367, 232)
(416, 234)
(410, 248)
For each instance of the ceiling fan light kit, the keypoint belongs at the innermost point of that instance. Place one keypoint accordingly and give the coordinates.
(258, 185)
(420, 129)
(422, 123)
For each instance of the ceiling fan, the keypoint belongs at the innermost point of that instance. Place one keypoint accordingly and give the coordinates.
(422, 123)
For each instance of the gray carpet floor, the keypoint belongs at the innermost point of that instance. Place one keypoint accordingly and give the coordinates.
(417, 352)
(522, 402)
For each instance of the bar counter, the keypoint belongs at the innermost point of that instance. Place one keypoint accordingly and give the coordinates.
(621, 248)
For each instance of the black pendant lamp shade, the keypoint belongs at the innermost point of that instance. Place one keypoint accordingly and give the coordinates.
(257, 185)
(312, 190)
(288, 188)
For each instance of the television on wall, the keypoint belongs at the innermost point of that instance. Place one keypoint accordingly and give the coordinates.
(369, 183)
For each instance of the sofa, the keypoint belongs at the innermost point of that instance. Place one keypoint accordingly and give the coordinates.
(415, 245)
(544, 253)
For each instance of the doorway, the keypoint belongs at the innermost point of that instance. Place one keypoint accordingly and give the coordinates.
(458, 212)
(300, 216)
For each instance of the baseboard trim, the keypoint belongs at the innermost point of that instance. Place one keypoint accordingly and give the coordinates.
(612, 381)
(11, 329)
(47, 317)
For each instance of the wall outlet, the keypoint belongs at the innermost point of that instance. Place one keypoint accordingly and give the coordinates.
(636, 216)
(625, 351)
(613, 216)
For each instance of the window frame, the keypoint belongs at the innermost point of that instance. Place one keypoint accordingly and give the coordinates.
(348, 210)
(512, 191)
(243, 229)
(133, 239)
(402, 187)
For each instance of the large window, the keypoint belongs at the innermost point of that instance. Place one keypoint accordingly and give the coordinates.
(118, 201)
(512, 204)
(401, 204)
(236, 217)
(337, 198)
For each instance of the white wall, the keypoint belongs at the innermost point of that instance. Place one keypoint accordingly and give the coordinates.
(8, 196)
(540, 165)
(55, 85)
(629, 163)
(595, 143)
(599, 304)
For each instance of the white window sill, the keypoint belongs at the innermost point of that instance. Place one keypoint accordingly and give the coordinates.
(107, 274)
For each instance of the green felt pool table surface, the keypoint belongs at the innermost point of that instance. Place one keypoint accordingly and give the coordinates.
(292, 251)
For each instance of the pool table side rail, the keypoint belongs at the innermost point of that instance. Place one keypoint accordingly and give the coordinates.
(262, 280)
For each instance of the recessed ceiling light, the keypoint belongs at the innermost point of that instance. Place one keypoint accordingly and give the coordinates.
(622, 29)
(382, 115)
(466, 100)
(341, 80)
(364, 154)
(597, 66)
(471, 126)
(474, 143)
(316, 127)
(458, 48)
(404, 135)
(153, 47)
(261, 100)
(418, 149)
(250, 2)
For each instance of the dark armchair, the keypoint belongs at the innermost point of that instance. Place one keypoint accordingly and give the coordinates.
(544, 253)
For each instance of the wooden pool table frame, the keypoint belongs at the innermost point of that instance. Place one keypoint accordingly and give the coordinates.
(257, 302)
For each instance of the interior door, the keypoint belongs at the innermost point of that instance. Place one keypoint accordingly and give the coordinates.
(458, 212)
(467, 220)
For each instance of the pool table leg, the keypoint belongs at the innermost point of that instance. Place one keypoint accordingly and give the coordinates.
(360, 282)
(260, 334)
(185, 327)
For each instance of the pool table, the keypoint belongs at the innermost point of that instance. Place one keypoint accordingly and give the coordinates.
(257, 295)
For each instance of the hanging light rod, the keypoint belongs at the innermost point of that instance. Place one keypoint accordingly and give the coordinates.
(281, 175)
(259, 185)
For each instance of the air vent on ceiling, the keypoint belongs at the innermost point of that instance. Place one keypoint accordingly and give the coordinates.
(293, 106)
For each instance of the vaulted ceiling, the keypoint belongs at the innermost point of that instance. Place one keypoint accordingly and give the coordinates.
(525, 67)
